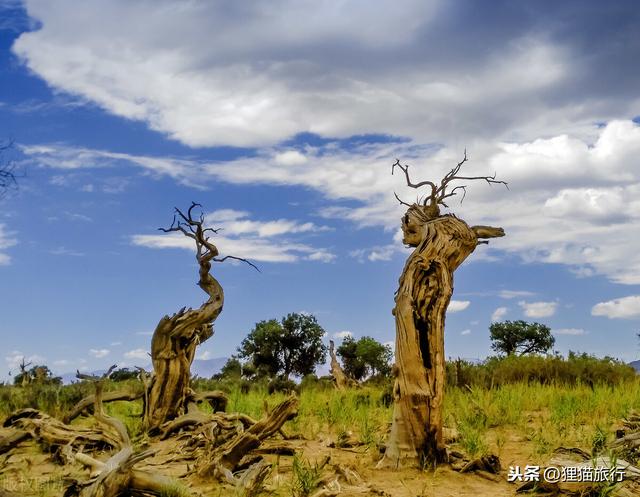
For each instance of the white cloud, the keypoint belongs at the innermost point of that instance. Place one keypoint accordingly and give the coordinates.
(342, 334)
(458, 305)
(624, 308)
(249, 239)
(498, 314)
(538, 309)
(6, 240)
(136, 354)
(204, 355)
(15, 358)
(290, 158)
(377, 253)
(99, 353)
(512, 294)
(466, 332)
(570, 331)
(549, 179)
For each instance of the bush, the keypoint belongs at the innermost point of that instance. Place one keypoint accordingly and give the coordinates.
(544, 370)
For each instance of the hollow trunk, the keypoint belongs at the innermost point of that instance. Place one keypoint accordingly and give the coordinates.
(425, 288)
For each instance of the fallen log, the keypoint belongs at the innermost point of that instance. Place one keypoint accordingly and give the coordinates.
(12, 440)
(223, 460)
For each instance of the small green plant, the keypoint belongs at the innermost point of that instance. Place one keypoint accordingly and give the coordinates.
(599, 440)
(306, 476)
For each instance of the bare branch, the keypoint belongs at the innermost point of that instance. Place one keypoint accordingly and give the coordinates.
(238, 259)
(440, 193)
(399, 200)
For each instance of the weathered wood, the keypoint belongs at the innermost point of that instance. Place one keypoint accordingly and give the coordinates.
(53, 433)
(442, 243)
(117, 475)
(223, 460)
(88, 401)
(13, 440)
(176, 337)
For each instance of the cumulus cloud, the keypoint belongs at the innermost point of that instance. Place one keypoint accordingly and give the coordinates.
(466, 332)
(622, 308)
(498, 314)
(458, 305)
(561, 189)
(136, 354)
(99, 353)
(538, 309)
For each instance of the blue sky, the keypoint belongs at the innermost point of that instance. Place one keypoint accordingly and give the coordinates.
(283, 119)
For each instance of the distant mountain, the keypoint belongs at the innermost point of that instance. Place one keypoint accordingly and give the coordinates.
(635, 365)
(71, 377)
(204, 368)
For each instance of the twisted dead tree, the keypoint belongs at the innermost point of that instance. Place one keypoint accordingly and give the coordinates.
(176, 337)
(442, 243)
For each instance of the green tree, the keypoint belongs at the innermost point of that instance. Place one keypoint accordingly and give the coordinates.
(520, 337)
(123, 374)
(231, 370)
(292, 345)
(38, 374)
(364, 358)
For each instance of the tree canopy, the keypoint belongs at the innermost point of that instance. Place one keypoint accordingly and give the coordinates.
(38, 374)
(364, 358)
(521, 337)
(292, 345)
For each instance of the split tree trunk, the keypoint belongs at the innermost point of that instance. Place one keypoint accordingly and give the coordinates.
(424, 292)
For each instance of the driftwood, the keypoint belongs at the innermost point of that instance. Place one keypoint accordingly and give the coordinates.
(12, 440)
(55, 434)
(442, 243)
(117, 474)
(221, 461)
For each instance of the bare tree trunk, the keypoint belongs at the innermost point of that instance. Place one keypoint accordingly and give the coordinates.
(441, 244)
(425, 289)
(341, 379)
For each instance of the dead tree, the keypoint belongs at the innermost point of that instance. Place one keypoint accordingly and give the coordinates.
(176, 337)
(116, 475)
(442, 243)
(342, 381)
